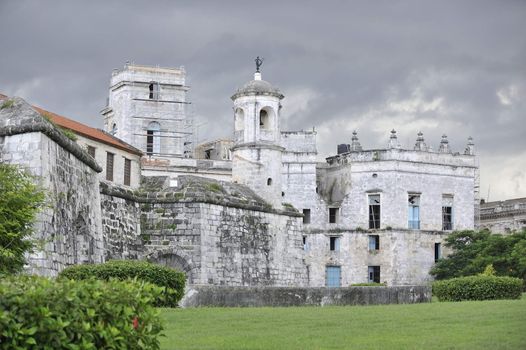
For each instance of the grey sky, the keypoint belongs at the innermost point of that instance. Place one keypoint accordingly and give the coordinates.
(453, 67)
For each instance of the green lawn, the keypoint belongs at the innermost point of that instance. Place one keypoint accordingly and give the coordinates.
(465, 325)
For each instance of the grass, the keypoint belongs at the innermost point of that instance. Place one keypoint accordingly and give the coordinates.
(467, 325)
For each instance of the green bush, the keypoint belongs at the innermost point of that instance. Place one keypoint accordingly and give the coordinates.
(369, 284)
(40, 313)
(479, 287)
(172, 281)
(20, 201)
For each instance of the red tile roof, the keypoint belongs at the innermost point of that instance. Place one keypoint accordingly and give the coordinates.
(86, 131)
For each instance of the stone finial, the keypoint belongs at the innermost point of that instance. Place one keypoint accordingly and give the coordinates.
(355, 144)
(420, 145)
(470, 148)
(393, 140)
(444, 145)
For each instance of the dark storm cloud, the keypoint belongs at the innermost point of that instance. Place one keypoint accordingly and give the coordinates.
(454, 67)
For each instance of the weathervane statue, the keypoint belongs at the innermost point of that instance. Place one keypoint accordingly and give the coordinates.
(259, 62)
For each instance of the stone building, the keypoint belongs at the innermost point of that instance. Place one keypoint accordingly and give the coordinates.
(272, 215)
(503, 216)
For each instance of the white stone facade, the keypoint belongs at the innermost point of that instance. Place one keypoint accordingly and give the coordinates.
(147, 109)
(101, 151)
(503, 216)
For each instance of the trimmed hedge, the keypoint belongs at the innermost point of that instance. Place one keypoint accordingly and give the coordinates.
(478, 287)
(171, 280)
(40, 313)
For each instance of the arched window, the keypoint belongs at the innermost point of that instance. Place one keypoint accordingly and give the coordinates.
(154, 90)
(266, 118)
(153, 140)
(269, 181)
(113, 129)
(239, 119)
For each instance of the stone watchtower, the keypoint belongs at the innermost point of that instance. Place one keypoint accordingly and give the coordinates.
(257, 152)
(146, 108)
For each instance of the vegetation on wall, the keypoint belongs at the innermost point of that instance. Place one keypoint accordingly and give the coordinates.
(172, 281)
(473, 251)
(20, 201)
(39, 313)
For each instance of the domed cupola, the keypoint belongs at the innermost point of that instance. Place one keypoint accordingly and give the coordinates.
(258, 87)
(257, 150)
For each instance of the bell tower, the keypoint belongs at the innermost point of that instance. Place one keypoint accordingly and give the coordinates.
(257, 152)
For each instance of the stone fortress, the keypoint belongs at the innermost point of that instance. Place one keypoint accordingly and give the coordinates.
(257, 210)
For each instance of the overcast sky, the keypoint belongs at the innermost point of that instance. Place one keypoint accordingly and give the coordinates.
(453, 67)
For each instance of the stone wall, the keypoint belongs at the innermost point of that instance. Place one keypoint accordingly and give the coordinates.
(68, 231)
(212, 296)
(218, 233)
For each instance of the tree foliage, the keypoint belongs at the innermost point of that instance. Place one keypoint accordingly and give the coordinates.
(473, 251)
(20, 200)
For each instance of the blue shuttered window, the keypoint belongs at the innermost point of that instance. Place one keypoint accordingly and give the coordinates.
(333, 274)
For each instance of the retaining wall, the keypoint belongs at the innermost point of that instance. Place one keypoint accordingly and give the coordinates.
(217, 296)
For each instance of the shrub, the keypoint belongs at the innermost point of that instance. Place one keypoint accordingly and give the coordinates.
(20, 201)
(39, 313)
(479, 287)
(369, 284)
(172, 281)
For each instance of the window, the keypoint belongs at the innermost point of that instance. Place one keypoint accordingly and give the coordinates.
(333, 215)
(109, 166)
(374, 274)
(374, 242)
(91, 151)
(334, 244)
(113, 129)
(153, 141)
(264, 119)
(269, 181)
(127, 171)
(332, 276)
(447, 212)
(306, 216)
(414, 211)
(305, 244)
(154, 91)
(438, 251)
(374, 211)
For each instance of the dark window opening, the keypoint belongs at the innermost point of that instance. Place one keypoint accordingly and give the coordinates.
(208, 154)
(91, 151)
(447, 218)
(374, 274)
(149, 142)
(438, 252)
(334, 243)
(269, 181)
(305, 245)
(109, 166)
(282, 194)
(333, 215)
(306, 216)
(127, 172)
(374, 242)
(374, 211)
(154, 91)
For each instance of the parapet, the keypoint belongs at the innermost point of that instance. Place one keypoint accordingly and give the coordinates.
(421, 153)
